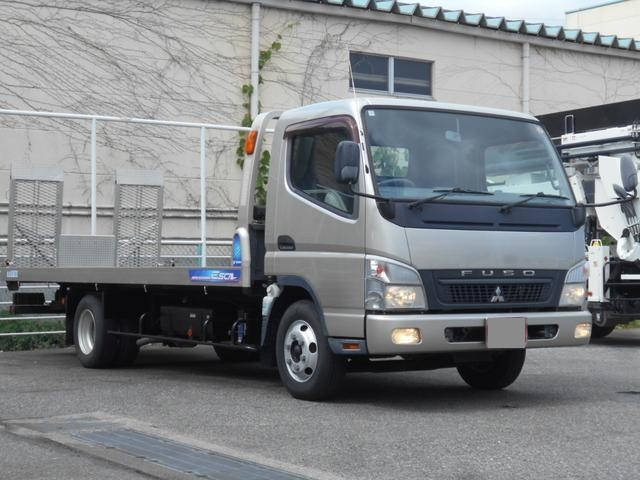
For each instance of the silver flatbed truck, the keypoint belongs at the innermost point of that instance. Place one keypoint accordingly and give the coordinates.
(397, 234)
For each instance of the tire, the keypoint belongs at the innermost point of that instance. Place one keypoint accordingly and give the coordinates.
(94, 347)
(127, 352)
(232, 355)
(601, 332)
(499, 373)
(307, 366)
(127, 347)
(601, 324)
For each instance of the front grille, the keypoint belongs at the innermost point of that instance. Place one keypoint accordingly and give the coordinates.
(481, 293)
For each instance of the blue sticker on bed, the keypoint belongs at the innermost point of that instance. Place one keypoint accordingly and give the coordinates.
(215, 275)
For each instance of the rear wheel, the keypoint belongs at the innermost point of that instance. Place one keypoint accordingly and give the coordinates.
(600, 332)
(307, 366)
(601, 324)
(95, 348)
(498, 373)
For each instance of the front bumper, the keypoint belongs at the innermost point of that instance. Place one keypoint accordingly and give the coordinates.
(432, 329)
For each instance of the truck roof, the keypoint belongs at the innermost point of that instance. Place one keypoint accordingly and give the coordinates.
(352, 106)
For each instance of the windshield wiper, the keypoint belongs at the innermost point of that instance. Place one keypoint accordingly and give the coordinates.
(443, 193)
(530, 196)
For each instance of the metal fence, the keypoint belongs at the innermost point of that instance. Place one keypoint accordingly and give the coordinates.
(94, 119)
(39, 318)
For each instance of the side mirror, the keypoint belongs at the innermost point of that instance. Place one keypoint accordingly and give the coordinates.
(347, 163)
(579, 214)
(628, 173)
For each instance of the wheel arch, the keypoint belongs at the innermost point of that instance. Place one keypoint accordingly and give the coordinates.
(73, 297)
(294, 289)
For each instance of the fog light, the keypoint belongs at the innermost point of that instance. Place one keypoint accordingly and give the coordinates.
(406, 336)
(583, 330)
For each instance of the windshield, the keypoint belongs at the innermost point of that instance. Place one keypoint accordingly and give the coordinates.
(416, 153)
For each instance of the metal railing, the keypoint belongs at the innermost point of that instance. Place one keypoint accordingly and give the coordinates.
(94, 119)
(39, 318)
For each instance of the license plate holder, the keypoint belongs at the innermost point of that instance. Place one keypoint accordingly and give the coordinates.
(506, 332)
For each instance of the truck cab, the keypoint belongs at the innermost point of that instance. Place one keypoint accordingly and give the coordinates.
(407, 234)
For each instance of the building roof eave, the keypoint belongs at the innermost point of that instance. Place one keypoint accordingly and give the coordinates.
(533, 33)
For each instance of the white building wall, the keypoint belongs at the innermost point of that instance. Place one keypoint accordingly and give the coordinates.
(619, 18)
(188, 59)
(167, 59)
(564, 80)
(313, 65)
(314, 62)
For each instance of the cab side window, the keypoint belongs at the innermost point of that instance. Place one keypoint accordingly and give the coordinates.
(311, 168)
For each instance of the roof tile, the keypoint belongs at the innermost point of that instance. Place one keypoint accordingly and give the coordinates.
(412, 8)
(430, 12)
(452, 15)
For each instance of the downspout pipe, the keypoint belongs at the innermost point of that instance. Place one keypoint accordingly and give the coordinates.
(255, 58)
(526, 93)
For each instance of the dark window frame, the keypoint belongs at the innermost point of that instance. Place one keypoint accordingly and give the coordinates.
(391, 76)
(314, 127)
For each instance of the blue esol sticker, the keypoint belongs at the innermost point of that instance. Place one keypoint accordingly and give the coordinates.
(237, 251)
(215, 275)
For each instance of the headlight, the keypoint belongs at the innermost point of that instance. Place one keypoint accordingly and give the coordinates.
(390, 285)
(574, 292)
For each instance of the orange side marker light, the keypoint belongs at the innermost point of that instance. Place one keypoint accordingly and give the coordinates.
(250, 143)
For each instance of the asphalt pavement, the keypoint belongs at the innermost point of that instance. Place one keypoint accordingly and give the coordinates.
(574, 413)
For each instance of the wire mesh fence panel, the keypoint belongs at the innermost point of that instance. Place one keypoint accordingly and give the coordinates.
(34, 226)
(138, 225)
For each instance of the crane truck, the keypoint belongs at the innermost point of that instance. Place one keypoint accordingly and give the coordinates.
(397, 234)
(601, 165)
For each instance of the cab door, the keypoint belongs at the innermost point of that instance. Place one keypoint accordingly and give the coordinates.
(318, 232)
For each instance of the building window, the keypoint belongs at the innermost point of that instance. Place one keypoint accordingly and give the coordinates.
(390, 74)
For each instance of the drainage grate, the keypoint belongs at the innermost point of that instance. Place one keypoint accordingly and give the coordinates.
(182, 457)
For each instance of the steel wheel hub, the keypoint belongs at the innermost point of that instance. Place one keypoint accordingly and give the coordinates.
(300, 351)
(86, 332)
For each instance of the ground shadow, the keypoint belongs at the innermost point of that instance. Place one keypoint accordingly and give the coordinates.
(620, 338)
(410, 391)
(424, 391)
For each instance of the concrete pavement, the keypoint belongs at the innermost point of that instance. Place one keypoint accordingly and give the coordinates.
(574, 413)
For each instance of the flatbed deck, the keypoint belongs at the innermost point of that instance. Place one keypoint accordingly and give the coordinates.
(144, 276)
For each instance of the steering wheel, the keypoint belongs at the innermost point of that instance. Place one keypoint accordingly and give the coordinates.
(396, 182)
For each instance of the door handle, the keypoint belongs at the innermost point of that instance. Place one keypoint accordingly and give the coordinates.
(286, 243)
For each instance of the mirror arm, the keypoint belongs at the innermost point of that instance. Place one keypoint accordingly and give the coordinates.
(619, 201)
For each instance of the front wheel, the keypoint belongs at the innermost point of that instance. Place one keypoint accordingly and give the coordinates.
(498, 373)
(307, 366)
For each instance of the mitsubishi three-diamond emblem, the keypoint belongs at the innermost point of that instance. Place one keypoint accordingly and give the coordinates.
(497, 296)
